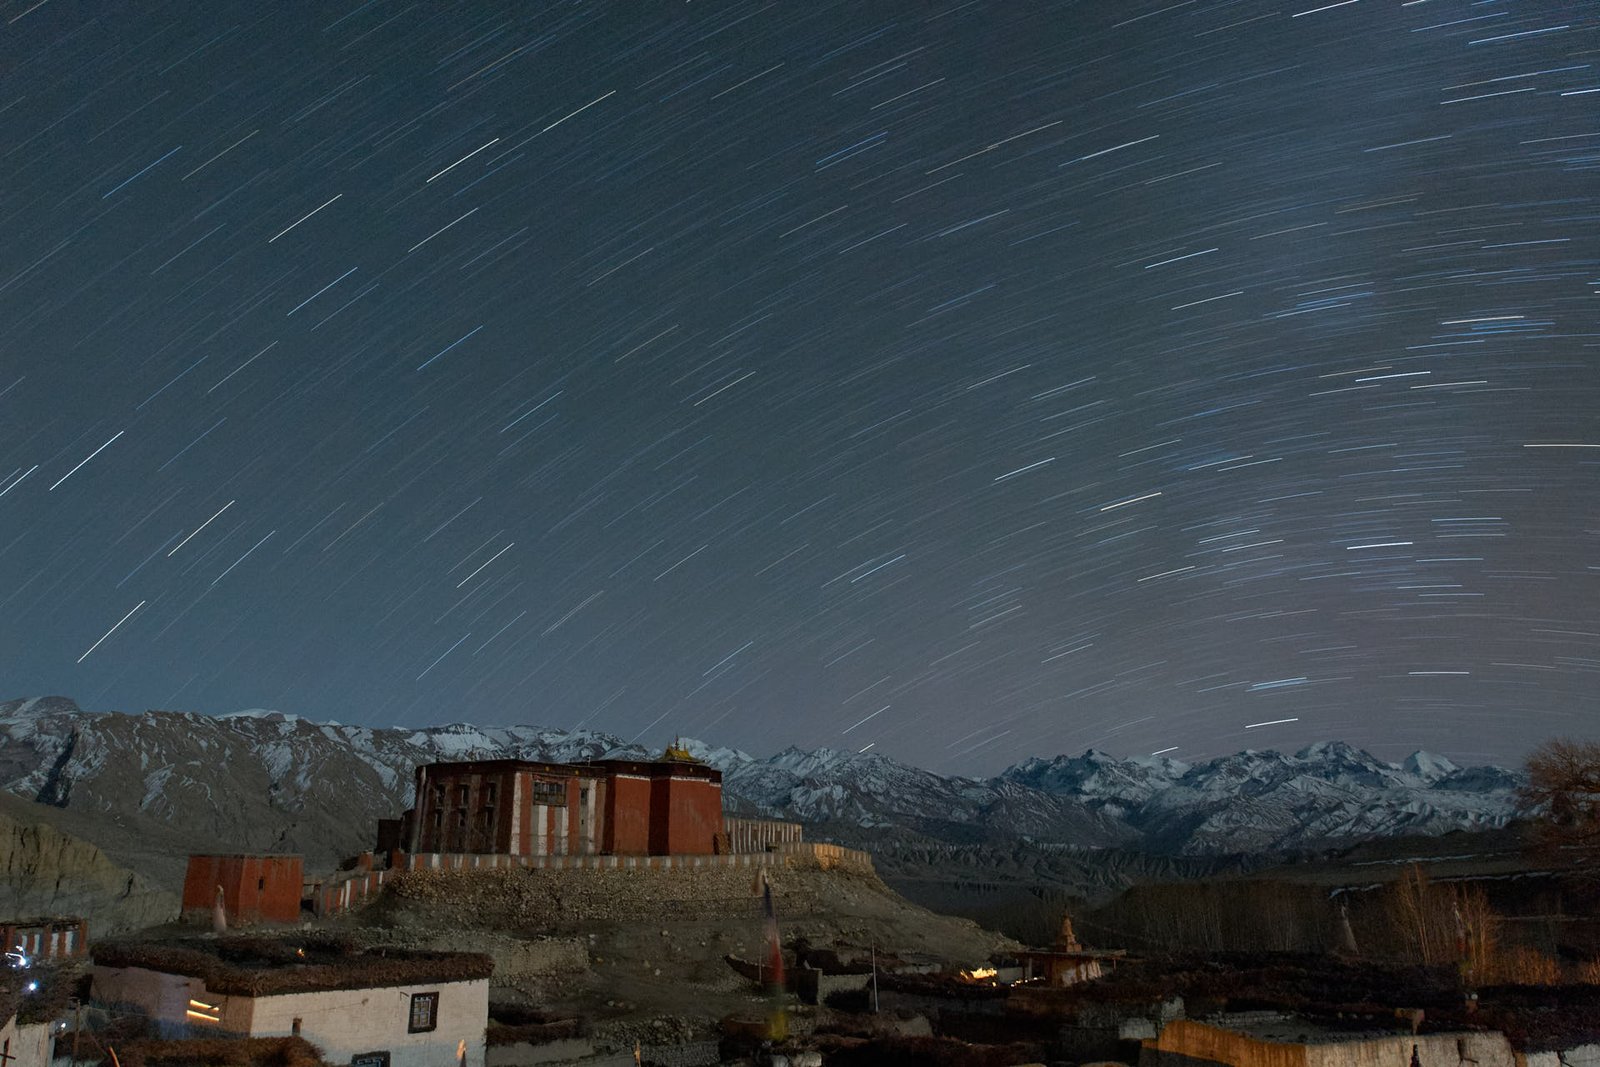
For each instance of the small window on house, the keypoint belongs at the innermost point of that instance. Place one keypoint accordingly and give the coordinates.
(438, 819)
(461, 816)
(488, 793)
(294, 1028)
(261, 883)
(370, 1059)
(424, 1012)
(463, 794)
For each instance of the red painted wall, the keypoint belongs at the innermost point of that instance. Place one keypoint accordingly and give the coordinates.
(640, 808)
(627, 829)
(254, 888)
(694, 816)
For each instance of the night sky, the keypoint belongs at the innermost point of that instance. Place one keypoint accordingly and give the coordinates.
(966, 381)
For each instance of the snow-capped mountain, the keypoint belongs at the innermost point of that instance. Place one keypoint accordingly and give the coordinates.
(1253, 801)
(149, 788)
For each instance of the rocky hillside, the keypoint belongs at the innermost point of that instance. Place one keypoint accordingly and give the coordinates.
(150, 788)
(44, 872)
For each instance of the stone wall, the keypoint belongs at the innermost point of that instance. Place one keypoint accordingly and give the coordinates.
(825, 856)
(523, 897)
(348, 890)
(1183, 1042)
(759, 835)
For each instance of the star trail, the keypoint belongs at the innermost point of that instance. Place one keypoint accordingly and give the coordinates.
(963, 381)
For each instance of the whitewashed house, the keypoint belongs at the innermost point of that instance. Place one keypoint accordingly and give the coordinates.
(388, 1008)
(27, 1039)
(26, 1044)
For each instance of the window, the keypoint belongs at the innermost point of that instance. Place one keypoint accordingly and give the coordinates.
(488, 793)
(261, 883)
(462, 792)
(461, 816)
(295, 1029)
(370, 1059)
(438, 819)
(424, 1012)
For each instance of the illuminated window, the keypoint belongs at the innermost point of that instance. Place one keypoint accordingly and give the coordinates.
(370, 1059)
(201, 1012)
(424, 1012)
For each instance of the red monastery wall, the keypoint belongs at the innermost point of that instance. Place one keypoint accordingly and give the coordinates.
(254, 888)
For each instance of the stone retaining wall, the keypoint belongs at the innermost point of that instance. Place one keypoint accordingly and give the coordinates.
(828, 857)
(516, 897)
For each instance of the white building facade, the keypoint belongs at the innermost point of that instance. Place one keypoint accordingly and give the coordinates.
(26, 1044)
(420, 1024)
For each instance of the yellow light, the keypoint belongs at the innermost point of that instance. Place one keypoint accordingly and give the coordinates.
(199, 1009)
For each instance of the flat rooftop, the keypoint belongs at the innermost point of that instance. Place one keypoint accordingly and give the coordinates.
(264, 966)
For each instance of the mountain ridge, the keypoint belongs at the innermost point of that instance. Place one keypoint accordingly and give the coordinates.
(266, 780)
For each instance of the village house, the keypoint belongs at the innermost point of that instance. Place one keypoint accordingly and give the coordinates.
(666, 807)
(374, 1008)
(27, 1037)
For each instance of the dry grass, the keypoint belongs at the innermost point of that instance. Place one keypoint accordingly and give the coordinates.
(219, 1052)
(259, 966)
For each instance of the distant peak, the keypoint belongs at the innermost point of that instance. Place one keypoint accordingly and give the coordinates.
(263, 714)
(1429, 766)
(39, 707)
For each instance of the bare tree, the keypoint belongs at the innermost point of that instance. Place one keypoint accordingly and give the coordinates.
(1563, 793)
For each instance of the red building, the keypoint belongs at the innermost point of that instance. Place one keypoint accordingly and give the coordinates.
(254, 888)
(671, 806)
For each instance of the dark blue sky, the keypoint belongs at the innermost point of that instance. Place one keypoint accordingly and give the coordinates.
(971, 380)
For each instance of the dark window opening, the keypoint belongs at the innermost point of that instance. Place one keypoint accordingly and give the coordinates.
(424, 1013)
(261, 883)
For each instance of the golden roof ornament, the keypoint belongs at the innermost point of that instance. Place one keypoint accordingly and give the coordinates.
(676, 753)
